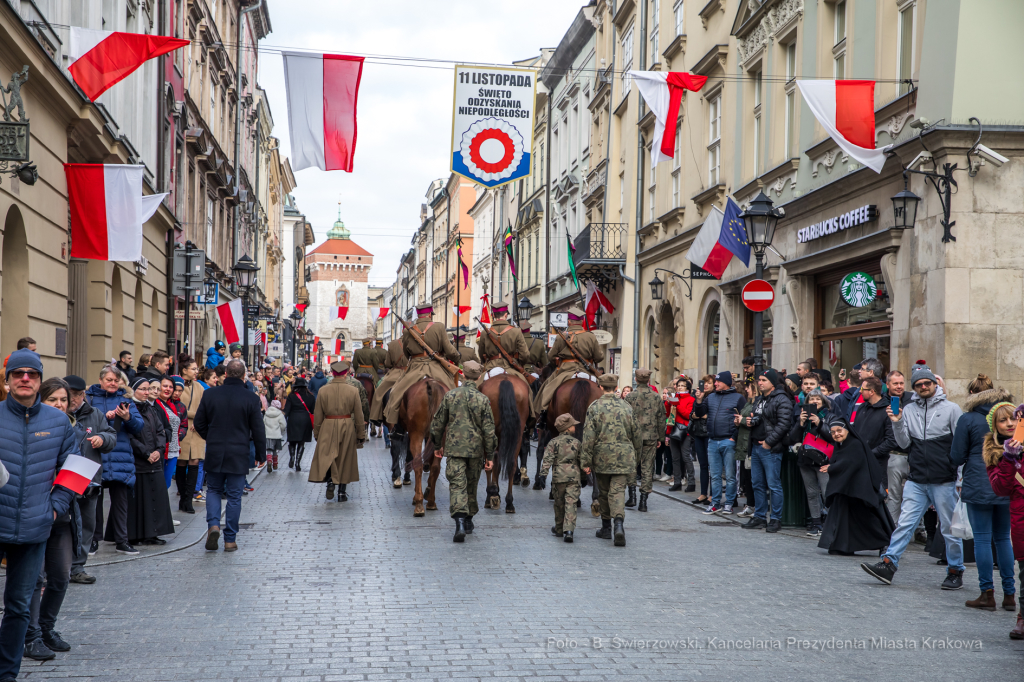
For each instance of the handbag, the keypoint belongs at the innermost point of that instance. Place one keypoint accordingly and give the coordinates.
(961, 524)
(312, 422)
(678, 432)
(698, 428)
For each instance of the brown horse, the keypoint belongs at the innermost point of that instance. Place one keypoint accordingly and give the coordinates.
(510, 405)
(419, 404)
(573, 397)
(369, 385)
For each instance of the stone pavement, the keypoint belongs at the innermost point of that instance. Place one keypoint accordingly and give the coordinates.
(361, 590)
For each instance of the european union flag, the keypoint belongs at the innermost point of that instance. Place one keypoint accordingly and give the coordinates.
(734, 235)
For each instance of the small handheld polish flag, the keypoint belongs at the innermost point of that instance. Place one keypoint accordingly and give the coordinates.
(77, 473)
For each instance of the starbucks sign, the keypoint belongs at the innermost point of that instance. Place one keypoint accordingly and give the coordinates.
(858, 289)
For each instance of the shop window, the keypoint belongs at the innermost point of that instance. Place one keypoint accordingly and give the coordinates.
(854, 326)
(905, 45)
(714, 323)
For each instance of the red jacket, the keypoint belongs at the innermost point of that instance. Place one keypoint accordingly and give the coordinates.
(1006, 479)
(684, 407)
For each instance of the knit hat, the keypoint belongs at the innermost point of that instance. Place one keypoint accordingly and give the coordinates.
(990, 418)
(920, 373)
(642, 375)
(725, 378)
(275, 403)
(565, 422)
(178, 381)
(24, 359)
(771, 375)
(139, 380)
(607, 381)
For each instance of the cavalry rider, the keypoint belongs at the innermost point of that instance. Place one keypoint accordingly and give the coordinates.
(378, 350)
(465, 352)
(420, 363)
(364, 402)
(366, 362)
(396, 364)
(538, 357)
(511, 340)
(464, 425)
(567, 366)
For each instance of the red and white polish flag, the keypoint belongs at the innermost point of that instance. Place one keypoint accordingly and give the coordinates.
(231, 319)
(108, 210)
(379, 313)
(337, 346)
(77, 473)
(846, 110)
(663, 92)
(338, 312)
(322, 92)
(100, 59)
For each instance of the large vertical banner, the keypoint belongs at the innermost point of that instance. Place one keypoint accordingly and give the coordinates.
(492, 123)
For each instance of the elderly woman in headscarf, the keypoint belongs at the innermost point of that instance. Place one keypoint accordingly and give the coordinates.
(855, 496)
(149, 511)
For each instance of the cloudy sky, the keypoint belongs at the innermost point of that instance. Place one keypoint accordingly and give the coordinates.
(405, 111)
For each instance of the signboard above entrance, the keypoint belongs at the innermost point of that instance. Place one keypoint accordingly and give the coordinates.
(844, 221)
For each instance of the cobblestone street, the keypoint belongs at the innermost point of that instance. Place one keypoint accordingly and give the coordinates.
(361, 590)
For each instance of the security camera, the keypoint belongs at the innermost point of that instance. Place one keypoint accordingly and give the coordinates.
(922, 159)
(995, 158)
(919, 123)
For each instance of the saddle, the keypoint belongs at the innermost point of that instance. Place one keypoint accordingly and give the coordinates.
(584, 375)
(492, 373)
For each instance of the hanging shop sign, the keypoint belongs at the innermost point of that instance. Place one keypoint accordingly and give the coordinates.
(492, 123)
(858, 289)
(845, 221)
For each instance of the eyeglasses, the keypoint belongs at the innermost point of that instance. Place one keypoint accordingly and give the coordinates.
(924, 383)
(28, 373)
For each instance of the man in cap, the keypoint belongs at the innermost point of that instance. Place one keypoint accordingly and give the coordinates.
(366, 362)
(611, 441)
(537, 358)
(420, 363)
(721, 408)
(464, 426)
(339, 430)
(459, 341)
(769, 427)
(563, 453)
(649, 415)
(511, 340)
(343, 368)
(567, 366)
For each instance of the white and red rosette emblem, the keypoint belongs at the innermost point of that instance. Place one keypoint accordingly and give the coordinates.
(491, 149)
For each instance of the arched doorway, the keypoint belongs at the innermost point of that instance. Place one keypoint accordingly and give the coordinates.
(667, 343)
(139, 326)
(652, 357)
(116, 314)
(14, 289)
(712, 336)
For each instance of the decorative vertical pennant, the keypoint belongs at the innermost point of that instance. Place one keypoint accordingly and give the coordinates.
(462, 263)
(509, 237)
(572, 261)
(485, 310)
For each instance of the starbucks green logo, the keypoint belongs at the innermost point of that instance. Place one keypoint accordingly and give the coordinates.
(858, 289)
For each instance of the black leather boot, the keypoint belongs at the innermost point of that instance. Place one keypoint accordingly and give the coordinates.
(643, 502)
(460, 530)
(469, 525)
(631, 500)
(298, 457)
(606, 529)
(567, 536)
(342, 493)
(330, 490)
(188, 491)
(620, 534)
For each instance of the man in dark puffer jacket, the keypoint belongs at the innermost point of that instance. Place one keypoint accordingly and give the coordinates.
(773, 412)
(35, 439)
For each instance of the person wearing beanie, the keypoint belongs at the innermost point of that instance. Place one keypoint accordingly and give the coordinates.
(649, 414)
(927, 426)
(611, 441)
(563, 453)
(720, 408)
(770, 423)
(276, 425)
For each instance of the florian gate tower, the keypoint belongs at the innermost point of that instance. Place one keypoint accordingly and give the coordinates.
(337, 272)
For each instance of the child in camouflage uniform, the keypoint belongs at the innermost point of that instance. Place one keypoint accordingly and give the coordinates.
(564, 453)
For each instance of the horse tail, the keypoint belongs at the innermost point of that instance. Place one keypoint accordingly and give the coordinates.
(579, 401)
(511, 429)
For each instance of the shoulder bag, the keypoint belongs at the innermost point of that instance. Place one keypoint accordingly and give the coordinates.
(312, 421)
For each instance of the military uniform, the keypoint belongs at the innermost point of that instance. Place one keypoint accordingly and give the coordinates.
(563, 454)
(611, 440)
(365, 361)
(586, 346)
(511, 340)
(395, 363)
(364, 403)
(465, 425)
(339, 431)
(465, 352)
(382, 355)
(649, 415)
(420, 364)
(537, 359)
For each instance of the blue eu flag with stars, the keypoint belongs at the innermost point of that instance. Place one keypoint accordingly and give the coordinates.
(734, 235)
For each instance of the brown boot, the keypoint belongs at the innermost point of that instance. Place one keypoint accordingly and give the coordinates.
(1009, 603)
(986, 601)
(1018, 631)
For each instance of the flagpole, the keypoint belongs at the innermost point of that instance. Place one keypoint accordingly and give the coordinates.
(458, 287)
(515, 282)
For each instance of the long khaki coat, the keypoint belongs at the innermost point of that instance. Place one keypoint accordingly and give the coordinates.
(337, 440)
(395, 363)
(192, 445)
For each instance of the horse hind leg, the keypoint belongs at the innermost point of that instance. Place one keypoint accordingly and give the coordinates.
(435, 470)
(510, 508)
(493, 498)
(417, 463)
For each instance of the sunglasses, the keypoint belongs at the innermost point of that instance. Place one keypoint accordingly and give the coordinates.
(29, 373)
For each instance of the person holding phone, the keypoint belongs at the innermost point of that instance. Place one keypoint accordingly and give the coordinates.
(811, 431)
(680, 441)
(899, 467)
(720, 408)
(871, 422)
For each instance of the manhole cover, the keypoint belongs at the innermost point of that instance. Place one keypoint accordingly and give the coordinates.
(718, 523)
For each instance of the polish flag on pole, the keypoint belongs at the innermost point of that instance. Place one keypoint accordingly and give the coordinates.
(77, 473)
(322, 92)
(846, 110)
(231, 319)
(460, 309)
(595, 301)
(100, 59)
(337, 346)
(108, 210)
(379, 313)
(338, 312)
(662, 92)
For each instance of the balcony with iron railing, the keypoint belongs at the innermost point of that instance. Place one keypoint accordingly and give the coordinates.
(600, 251)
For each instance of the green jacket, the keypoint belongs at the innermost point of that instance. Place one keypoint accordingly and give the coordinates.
(743, 433)
(562, 452)
(611, 438)
(465, 413)
(648, 412)
(363, 401)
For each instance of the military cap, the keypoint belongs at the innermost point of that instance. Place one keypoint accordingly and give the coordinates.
(424, 309)
(340, 366)
(525, 325)
(608, 380)
(565, 422)
(472, 369)
(643, 375)
(576, 312)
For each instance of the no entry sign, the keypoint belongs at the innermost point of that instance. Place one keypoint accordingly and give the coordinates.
(758, 295)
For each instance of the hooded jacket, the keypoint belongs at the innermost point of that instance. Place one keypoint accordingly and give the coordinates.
(927, 428)
(317, 382)
(34, 442)
(275, 423)
(969, 444)
(721, 408)
(213, 358)
(119, 463)
(91, 422)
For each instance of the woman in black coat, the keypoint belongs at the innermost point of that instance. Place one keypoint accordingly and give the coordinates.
(857, 516)
(298, 411)
(149, 510)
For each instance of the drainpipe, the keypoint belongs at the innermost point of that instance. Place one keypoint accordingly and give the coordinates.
(242, 11)
(608, 125)
(639, 190)
(547, 214)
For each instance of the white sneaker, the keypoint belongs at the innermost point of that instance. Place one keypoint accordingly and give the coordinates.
(728, 509)
(177, 522)
(747, 511)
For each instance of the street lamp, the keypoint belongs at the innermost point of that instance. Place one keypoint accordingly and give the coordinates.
(245, 274)
(525, 308)
(759, 221)
(294, 317)
(657, 287)
(904, 206)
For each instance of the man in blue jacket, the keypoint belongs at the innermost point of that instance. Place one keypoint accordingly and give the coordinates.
(721, 408)
(35, 439)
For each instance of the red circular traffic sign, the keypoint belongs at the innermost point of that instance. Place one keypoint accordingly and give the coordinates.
(758, 295)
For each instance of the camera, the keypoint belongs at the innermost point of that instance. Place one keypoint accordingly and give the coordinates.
(986, 154)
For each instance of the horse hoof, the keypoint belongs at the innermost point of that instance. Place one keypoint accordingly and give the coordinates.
(526, 482)
(431, 506)
(595, 509)
(397, 483)
(495, 502)
(418, 511)
(538, 484)
(510, 509)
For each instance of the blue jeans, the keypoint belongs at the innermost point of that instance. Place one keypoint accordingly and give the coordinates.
(720, 458)
(387, 436)
(917, 497)
(23, 565)
(765, 475)
(219, 486)
(199, 477)
(992, 521)
(170, 467)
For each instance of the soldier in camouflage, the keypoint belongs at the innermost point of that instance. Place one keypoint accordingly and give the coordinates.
(611, 440)
(465, 425)
(364, 402)
(649, 415)
(563, 453)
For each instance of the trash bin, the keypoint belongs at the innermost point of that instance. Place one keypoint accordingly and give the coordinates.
(794, 495)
